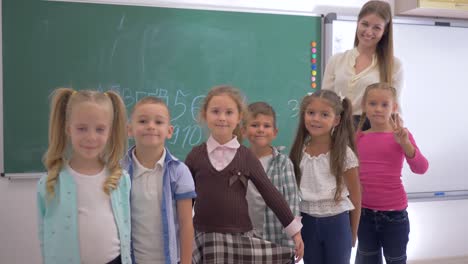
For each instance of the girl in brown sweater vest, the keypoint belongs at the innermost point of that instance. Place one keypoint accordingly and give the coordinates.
(221, 168)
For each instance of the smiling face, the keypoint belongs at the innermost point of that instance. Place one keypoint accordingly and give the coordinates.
(150, 125)
(260, 130)
(222, 117)
(379, 105)
(320, 118)
(89, 130)
(370, 30)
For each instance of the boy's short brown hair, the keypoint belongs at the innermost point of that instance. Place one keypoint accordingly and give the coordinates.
(260, 108)
(150, 100)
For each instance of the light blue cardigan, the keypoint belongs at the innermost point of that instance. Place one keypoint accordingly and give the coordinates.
(58, 219)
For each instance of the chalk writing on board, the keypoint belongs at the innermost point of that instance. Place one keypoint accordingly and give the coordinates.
(184, 107)
(177, 103)
(122, 19)
(187, 136)
(195, 108)
(293, 105)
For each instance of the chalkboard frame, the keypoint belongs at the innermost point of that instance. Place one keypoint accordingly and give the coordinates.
(27, 174)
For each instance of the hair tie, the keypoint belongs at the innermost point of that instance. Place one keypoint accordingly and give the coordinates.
(342, 97)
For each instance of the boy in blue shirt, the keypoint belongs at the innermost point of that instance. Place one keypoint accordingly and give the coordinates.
(162, 189)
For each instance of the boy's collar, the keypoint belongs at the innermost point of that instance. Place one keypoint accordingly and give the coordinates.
(167, 159)
(139, 169)
(277, 150)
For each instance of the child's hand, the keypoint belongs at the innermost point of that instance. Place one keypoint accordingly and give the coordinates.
(399, 132)
(299, 246)
(401, 136)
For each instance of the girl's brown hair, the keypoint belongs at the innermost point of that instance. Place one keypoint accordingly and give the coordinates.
(235, 95)
(64, 100)
(384, 48)
(382, 86)
(341, 138)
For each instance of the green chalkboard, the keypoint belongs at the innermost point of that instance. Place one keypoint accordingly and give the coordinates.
(176, 54)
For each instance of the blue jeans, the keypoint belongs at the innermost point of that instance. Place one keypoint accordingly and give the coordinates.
(326, 239)
(387, 230)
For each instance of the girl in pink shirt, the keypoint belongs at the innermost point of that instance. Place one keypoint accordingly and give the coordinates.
(384, 221)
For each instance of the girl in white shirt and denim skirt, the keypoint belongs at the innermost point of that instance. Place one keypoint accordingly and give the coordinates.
(326, 168)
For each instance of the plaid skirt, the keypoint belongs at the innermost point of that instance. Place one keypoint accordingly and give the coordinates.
(244, 248)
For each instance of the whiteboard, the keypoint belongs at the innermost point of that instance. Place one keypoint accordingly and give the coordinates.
(434, 99)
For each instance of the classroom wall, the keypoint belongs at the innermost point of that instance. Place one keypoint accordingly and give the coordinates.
(437, 228)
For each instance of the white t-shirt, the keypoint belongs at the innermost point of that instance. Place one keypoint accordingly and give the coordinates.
(318, 185)
(255, 201)
(147, 228)
(97, 230)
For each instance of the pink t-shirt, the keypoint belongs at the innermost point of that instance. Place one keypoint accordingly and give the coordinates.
(381, 162)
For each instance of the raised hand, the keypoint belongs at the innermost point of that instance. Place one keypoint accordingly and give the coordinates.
(401, 136)
(399, 132)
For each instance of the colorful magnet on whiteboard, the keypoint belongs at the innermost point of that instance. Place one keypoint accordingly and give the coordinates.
(314, 56)
(314, 50)
(313, 85)
(314, 73)
(313, 43)
(313, 60)
(313, 78)
(314, 66)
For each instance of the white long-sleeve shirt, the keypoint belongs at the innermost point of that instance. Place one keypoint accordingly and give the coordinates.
(340, 77)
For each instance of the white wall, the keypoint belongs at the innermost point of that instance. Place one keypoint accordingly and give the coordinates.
(437, 228)
(18, 228)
